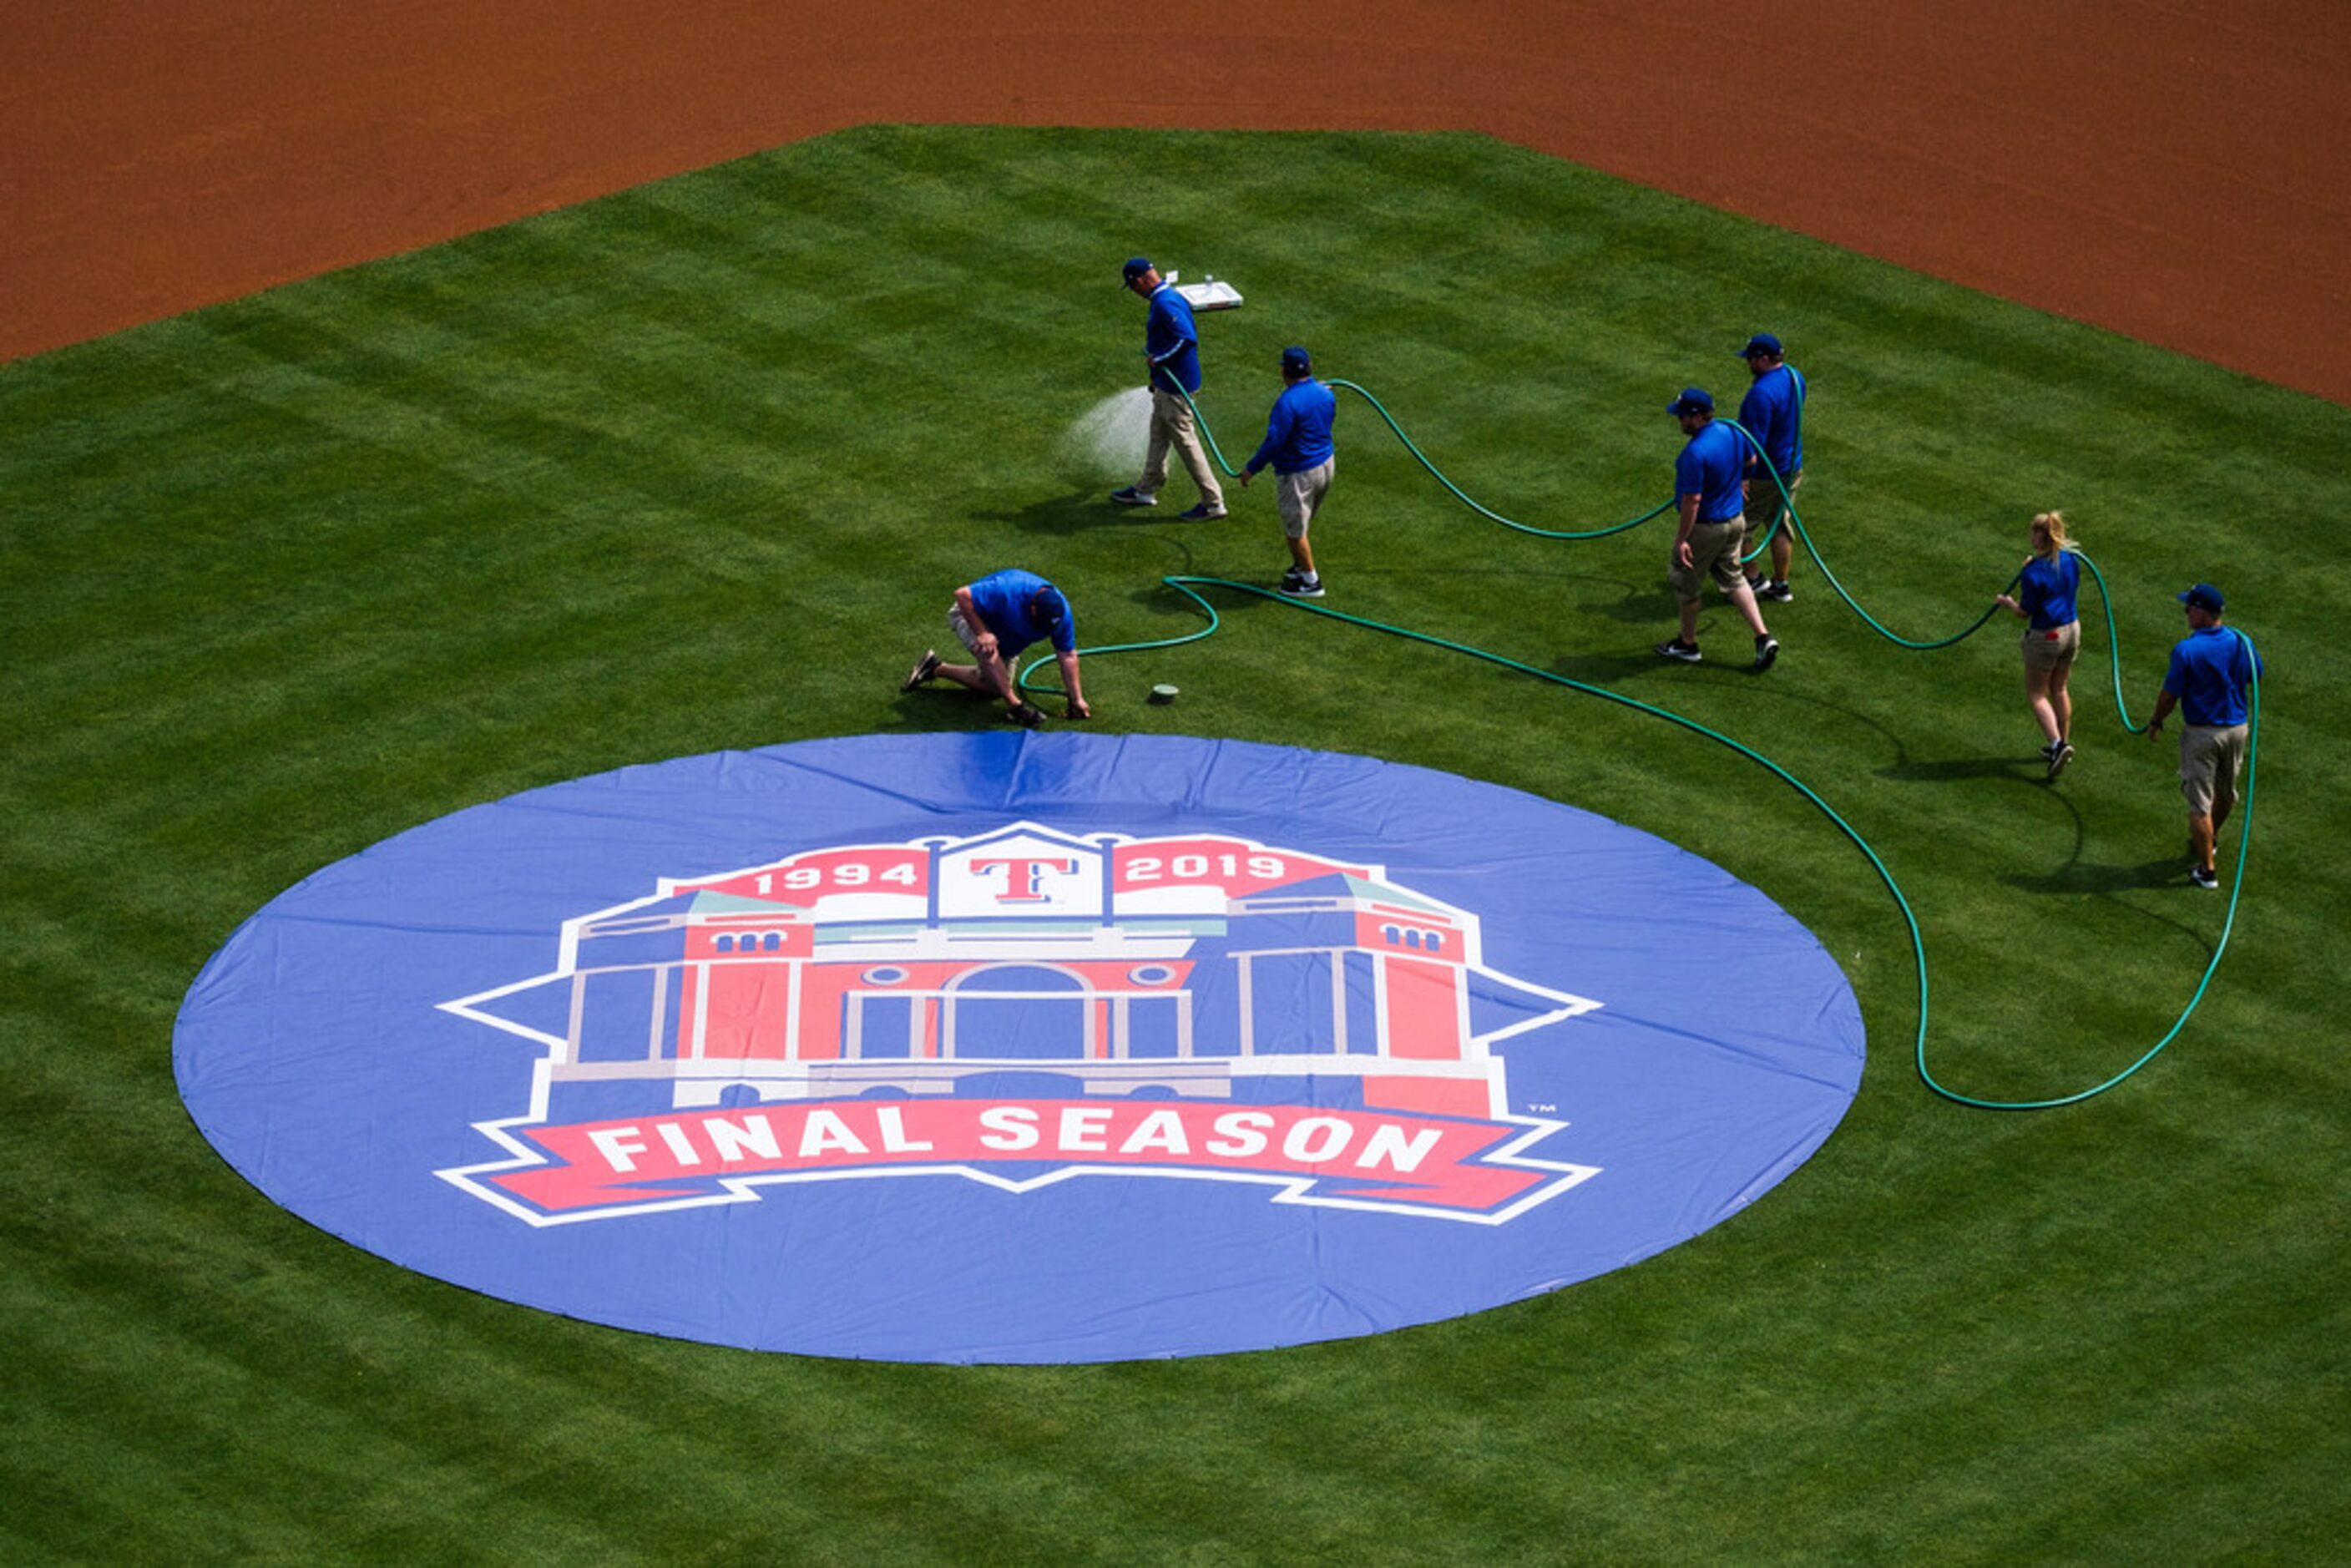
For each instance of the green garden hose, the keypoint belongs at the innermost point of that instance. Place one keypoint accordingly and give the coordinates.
(1189, 586)
(1218, 453)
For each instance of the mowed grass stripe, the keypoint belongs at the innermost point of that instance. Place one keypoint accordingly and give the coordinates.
(696, 466)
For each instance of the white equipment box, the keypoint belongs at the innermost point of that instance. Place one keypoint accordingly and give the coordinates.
(1208, 295)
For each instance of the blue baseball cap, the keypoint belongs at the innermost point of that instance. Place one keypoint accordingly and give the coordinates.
(1136, 266)
(1762, 343)
(1050, 608)
(1694, 400)
(2205, 597)
(1295, 359)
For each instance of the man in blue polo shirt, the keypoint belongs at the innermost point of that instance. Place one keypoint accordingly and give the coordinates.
(1707, 477)
(1171, 352)
(995, 617)
(1774, 413)
(1298, 443)
(2213, 671)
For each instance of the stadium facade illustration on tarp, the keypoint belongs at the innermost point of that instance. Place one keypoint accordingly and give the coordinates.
(1020, 974)
(1017, 1047)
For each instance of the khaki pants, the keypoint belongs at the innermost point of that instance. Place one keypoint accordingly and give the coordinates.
(1172, 424)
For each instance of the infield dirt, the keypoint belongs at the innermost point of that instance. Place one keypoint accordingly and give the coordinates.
(2176, 172)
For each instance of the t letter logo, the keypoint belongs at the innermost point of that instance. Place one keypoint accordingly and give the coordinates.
(1021, 873)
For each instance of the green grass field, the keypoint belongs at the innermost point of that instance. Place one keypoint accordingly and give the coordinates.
(696, 466)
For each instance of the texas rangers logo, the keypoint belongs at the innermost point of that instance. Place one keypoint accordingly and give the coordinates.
(1019, 1008)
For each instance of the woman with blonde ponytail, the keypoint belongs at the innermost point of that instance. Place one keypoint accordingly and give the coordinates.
(2044, 598)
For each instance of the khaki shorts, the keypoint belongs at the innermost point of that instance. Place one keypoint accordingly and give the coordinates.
(2210, 757)
(1714, 551)
(1297, 496)
(1764, 495)
(960, 624)
(2047, 650)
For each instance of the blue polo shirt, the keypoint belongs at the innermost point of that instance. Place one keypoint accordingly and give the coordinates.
(2048, 590)
(1172, 341)
(1006, 600)
(1298, 430)
(2211, 670)
(1774, 413)
(1711, 468)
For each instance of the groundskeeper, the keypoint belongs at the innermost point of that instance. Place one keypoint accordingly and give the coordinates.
(2211, 678)
(1298, 443)
(997, 617)
(2047, 587)
(1170, 351)
(1774, 413)
(1709, 478)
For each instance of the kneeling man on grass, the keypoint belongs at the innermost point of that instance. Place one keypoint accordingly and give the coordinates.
(995, 617)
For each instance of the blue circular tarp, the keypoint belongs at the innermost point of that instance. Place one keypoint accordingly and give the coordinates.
(1019, 1048)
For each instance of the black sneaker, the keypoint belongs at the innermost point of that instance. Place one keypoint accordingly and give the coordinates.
(2059, 755)
(1778, 592)
(1131, 496)
(922, 671)
(2198, 877)
(1203, 513)
(1304, 587)
(1028, 715)
(1767, 648)
(1685, 652)
(1292, 579)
